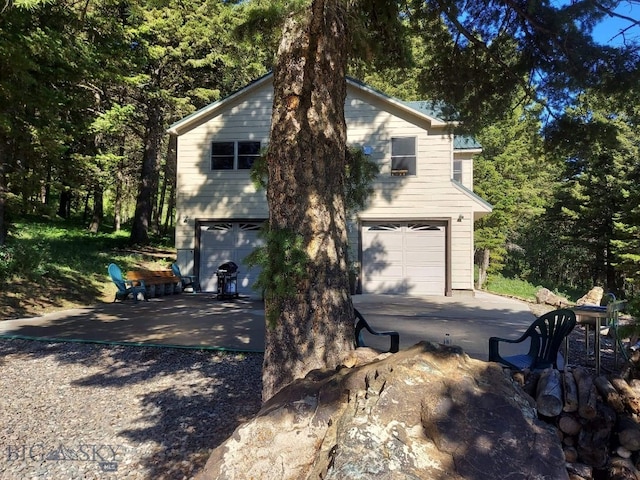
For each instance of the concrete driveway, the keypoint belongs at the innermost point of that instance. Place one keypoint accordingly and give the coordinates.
(202, 321)
(469, 320)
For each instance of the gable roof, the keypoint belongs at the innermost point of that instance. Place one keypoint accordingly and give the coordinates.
(197, 117)
(187, 123)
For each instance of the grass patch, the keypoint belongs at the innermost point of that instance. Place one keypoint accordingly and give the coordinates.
(512, 287)
(51, 265)
(522, 289)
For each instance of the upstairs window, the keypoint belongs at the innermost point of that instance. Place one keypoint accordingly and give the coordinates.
(248, 152)
(222, 155)
(403, 156)
(457, 170)
(234, 155)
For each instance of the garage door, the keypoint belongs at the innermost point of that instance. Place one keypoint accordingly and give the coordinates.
(221, 242)
(403, 258)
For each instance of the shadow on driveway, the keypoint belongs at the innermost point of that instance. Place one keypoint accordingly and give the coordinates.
(186, 320)
(202, 321)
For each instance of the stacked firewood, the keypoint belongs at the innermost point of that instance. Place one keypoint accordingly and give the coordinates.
(598, 420)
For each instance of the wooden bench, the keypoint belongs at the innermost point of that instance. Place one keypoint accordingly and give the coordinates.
(156, 282)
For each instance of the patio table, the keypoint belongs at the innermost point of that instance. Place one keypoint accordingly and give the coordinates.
(593, 315)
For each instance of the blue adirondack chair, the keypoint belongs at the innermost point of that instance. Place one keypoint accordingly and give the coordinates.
(125, 287)
(186, 280)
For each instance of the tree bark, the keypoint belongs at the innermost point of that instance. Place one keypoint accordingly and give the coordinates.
(484, 256)
(149, 176)
(305, 192)
(4, 227)
(119, 187)
(64, 209)
(98, 209)
(170, 178)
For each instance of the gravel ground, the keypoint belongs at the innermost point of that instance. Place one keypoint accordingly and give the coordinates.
(71, 410)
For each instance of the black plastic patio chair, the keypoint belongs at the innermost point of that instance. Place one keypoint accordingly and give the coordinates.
(546, 336)
(361, 324)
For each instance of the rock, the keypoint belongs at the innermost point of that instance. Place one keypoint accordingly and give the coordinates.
(426, 412)
(593, 297)
(546, 296)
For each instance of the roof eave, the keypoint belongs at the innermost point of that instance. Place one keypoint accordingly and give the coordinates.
(467, 150)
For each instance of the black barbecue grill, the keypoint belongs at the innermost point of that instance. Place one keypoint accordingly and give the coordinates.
(227, 280)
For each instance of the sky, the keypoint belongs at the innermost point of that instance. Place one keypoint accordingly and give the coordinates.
(607, 32)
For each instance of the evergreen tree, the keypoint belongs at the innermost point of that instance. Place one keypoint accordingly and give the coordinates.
(599, 151)
(483, 53)
(513, 175)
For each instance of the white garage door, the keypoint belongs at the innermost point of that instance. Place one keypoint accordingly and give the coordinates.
(221, 242)
(403, 258)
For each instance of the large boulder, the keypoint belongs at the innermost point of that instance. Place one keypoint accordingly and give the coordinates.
(592, 297)
(427, 412)
(546, 296)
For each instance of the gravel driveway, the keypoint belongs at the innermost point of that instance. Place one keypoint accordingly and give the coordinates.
(72, 410)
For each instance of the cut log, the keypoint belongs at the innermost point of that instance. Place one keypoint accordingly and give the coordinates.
(594, 437)
(629, 396)
(549, 393)
(570, 454)
(622, 469)
(623, 452)
(609, 394)
(530, 383)
(569, 424)
(628, 432)
(580, 469)
(570, 391)
(586, 393)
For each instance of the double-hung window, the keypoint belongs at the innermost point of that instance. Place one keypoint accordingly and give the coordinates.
(403, 156)
(234, 155)
(457, 170)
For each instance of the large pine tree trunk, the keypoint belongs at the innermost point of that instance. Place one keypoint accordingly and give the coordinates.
(149, 176)
(170, 179)
(483, 256)
(4, 224)
(98, 209)
(305, 192)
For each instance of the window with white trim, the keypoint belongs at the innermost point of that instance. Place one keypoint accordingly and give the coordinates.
(403, 156)
(457, 170)
(234, 155)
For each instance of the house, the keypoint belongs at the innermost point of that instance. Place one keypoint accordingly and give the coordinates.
(414, 238)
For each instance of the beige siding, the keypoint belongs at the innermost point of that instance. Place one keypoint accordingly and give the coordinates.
(462, 253)
(427, 195)
(217, 194)
(372, 122)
